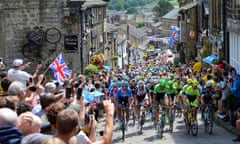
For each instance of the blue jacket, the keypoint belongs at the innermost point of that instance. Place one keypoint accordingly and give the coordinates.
(10, 135)
(235, 88)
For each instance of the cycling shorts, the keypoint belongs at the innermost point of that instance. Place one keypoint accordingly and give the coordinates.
(123, 100)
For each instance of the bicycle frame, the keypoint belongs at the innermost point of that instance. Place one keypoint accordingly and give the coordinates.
(208, 119)
(191, 121)
(142, 117)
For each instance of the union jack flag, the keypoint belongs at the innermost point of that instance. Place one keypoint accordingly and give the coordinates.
(60, 69)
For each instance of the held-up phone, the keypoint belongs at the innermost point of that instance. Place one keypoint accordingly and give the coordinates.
(79, 93)
(68, 92)
(1, 59)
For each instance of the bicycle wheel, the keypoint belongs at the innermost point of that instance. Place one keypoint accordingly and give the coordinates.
(160, 130)
(187, 125)
(142, 120)
(31, 51)
(209, 124)
(53, 35)
(133, 116)
(123, 127)
(171, 119)
(194, 128)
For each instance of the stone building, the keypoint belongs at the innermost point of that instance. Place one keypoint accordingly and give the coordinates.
(168, 20)
(86, 21)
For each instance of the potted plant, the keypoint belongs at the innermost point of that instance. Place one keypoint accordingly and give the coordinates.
(90, 70)
(115, 58)
(97, 59)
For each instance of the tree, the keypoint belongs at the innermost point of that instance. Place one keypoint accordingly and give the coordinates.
(162, 7)
(132, 10)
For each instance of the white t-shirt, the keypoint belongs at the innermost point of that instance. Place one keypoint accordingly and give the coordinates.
(82, 138)
(18, 75)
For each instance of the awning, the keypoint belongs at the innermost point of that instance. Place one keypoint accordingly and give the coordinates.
(210, 59)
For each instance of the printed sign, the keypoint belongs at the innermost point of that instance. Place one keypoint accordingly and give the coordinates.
(71, 43)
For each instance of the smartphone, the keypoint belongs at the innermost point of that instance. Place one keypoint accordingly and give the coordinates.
(33, 88)
(68, 92)
(79, 93)
(39, 62)
(1, 59)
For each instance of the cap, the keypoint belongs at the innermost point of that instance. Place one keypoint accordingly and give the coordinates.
(220, 66)
(17, 62)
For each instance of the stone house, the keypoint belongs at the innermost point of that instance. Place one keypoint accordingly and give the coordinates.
(20, 16)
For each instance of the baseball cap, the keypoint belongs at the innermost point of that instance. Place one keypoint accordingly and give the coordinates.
(17, 62)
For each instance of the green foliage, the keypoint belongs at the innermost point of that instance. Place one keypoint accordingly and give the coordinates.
(126, 4)
(132, 10)
(215, 62)
(90, 70)
(204, 52)
(114, 58)
(176, 61)
(139, 25)
(162, 8)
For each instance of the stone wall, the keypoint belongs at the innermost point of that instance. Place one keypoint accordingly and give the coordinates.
(19, 16)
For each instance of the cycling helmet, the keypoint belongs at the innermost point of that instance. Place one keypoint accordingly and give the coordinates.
(162, 83)
(189, 81)
(208, 85)
(124, 84)
(132, 81)
(170, 83)
(195, 83)
(141, 83)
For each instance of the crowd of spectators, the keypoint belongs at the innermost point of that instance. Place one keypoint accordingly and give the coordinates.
(36, 110)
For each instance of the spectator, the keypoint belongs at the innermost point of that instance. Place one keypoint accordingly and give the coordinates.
(9, 134)
(67, 126)
(237, 139)
(235, 86)
(17, 92)
(5, 83)
(2, 76)
(45, 101)
(52, 112)
(50, 87)
(29, 123)
(23, 107)
(17, 74)
(225, 92)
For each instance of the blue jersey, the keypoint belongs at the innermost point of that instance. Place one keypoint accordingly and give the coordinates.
(127, 94)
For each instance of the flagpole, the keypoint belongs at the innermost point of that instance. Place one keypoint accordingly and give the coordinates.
(46, 71)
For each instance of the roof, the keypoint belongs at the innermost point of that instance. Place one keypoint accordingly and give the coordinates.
(92, 3)
(133, 31)
(173, 14)
(157, 24)
(190, 5)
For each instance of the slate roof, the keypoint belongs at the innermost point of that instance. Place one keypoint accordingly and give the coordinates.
(133, 31)
(173, 14)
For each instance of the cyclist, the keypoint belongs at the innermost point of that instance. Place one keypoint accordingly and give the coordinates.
(177, 85)
(208, 96)
(185, 87)
(140, 98)
(159, 97)
(171, 92)
(124, 95)
(192, 97)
